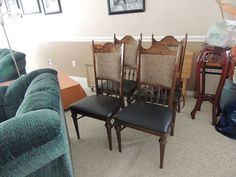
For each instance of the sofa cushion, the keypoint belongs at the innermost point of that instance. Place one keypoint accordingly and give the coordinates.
(42, 93)
(7, 66)
(16, 91)
(26, 132)
(4, 52)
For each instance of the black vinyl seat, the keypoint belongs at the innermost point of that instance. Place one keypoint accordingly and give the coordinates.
(129, 86)
(97, 106)
(145, 115)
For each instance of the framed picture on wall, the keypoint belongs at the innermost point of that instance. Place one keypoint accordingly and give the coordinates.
(12, 5)
(51, 6)
(125, 6)
(30, 6)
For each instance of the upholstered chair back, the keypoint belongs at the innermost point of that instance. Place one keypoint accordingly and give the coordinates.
(109, 67)
(158, 72)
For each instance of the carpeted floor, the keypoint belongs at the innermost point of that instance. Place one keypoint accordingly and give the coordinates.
(196, 149)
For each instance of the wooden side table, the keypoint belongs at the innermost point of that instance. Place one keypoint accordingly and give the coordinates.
(71, 91)
(210, 58)
(234, 52)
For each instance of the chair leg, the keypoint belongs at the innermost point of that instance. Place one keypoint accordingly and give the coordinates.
(118, 133)
(172, 130)
(162, 142)
(108, 127)
(178, 105)
(74, 117)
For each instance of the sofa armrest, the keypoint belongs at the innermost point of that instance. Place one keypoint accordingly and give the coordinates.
(26, 132)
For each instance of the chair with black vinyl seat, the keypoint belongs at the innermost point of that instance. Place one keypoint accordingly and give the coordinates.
(154, 109)
(130, 64)
(173, 44)
(108, 68)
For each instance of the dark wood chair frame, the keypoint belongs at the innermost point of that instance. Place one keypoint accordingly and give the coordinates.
(104, 90)
(130, 72)
(157, 48)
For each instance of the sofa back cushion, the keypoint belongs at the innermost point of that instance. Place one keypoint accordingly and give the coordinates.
(14, 96)
(4, 52)
(42, 93)
(15, 93)
(7, 67)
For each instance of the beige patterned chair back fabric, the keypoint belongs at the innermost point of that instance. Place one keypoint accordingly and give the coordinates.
(108, 65)
(173, 44)
(131, 52)
(157, 69)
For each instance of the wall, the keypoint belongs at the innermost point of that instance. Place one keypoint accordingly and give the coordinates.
(67, 36)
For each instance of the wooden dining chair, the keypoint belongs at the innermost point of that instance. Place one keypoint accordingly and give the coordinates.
(130, 64)
(108, 69)
(154, 108)
(173, 44)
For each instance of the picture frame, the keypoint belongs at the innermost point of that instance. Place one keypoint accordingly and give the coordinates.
(30, 6)
(51, 6)
(12, 5)
(125, 6)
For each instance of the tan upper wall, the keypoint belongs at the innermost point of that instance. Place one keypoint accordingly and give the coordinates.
(89, 18)
(65, 37)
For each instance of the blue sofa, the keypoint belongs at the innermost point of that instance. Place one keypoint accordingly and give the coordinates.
(33, 134)
(7, 67)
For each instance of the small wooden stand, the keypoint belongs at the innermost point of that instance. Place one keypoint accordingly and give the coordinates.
(210, 58)
(71, 91)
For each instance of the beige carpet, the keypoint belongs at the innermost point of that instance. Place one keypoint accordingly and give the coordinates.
(196, 149)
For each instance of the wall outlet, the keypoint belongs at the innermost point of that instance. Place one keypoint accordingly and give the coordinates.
(50, 61)
(74, 64)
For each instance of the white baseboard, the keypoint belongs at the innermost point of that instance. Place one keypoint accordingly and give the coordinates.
(81, 80)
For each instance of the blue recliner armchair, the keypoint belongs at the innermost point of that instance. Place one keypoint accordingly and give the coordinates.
(33, 133)
(7, 67)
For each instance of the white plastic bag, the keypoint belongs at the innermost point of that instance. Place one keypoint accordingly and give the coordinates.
(222, 34)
